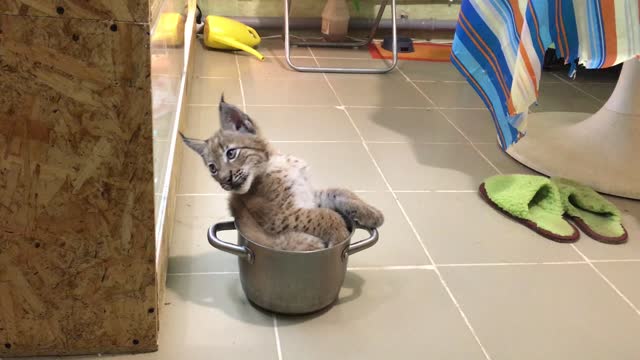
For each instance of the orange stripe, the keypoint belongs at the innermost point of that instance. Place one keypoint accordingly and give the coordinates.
(559, 44)
(481, 91)
(515, 9)
(423, 52)
(607, 8)
(535, 24)
(527, 64)
(564, 35)
(493, 61)
(510, 107)
(464, 24)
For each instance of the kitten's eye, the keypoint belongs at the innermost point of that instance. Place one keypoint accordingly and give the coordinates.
(213, 169)
(232, 154)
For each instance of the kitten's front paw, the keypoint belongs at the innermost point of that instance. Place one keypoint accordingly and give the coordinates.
(369, 217)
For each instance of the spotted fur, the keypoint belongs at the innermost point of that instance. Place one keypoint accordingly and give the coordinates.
(271, 196)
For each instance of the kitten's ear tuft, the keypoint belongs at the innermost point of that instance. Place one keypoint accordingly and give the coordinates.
(199, 146)
(234, 119)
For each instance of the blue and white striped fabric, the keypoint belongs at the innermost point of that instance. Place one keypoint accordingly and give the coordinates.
(499, 47)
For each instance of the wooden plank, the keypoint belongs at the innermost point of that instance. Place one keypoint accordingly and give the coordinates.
(77, 249)
(120, 10)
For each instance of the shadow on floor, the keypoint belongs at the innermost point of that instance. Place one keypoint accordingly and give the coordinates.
(459, 157)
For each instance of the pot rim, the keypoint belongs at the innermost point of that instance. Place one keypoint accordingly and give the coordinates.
(350, 224)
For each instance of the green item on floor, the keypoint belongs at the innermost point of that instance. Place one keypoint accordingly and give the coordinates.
(592, 213)
(531, 200)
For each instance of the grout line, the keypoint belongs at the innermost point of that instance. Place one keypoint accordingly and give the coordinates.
(215, 77)
(451, 122)
(396, 267)
(356, 268)
(515, 264)
(275, 320)
(409, 191)
(417, 142)
(433, 267)
(315, 141)
(424, 248)
(244, 101)
(225, 194)
(203, 105)
(441, 81)
(277, 336)
(614, 260)
(433, 191)
(624, 298)
(455, 191)
(388, 191)
(292, 105)
(388, 107)
(459, 108)
(353, 107)
(276, 105)
(578, 88)
(202, 194)
(367, 141)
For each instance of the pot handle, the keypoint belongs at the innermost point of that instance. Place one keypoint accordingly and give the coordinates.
(362, 244)
(240, 251)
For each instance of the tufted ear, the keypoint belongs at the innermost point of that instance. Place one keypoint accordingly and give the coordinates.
(199, 146)
(234, 119)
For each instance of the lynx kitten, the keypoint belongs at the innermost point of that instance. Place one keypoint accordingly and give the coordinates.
(272, 199)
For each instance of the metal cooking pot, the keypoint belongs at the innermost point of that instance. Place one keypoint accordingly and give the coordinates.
(290, 282)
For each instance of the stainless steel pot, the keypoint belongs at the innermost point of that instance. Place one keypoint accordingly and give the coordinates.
(290, 282)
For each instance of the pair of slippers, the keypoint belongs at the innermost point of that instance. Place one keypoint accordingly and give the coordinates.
(546, 206)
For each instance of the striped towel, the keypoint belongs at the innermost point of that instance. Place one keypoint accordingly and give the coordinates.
(499, 47)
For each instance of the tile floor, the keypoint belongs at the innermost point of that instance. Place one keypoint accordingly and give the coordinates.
(450, 278)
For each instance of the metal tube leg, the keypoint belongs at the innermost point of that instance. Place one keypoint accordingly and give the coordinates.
(287, 45)
(376, 23)
(394, 63)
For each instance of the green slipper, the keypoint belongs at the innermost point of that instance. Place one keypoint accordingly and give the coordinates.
(592, 213)
(533, 201)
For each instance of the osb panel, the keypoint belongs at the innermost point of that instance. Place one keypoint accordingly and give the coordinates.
(121, 10)
(77, 266)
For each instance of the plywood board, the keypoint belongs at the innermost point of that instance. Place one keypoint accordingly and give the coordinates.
(77, 249)
(120, 10)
